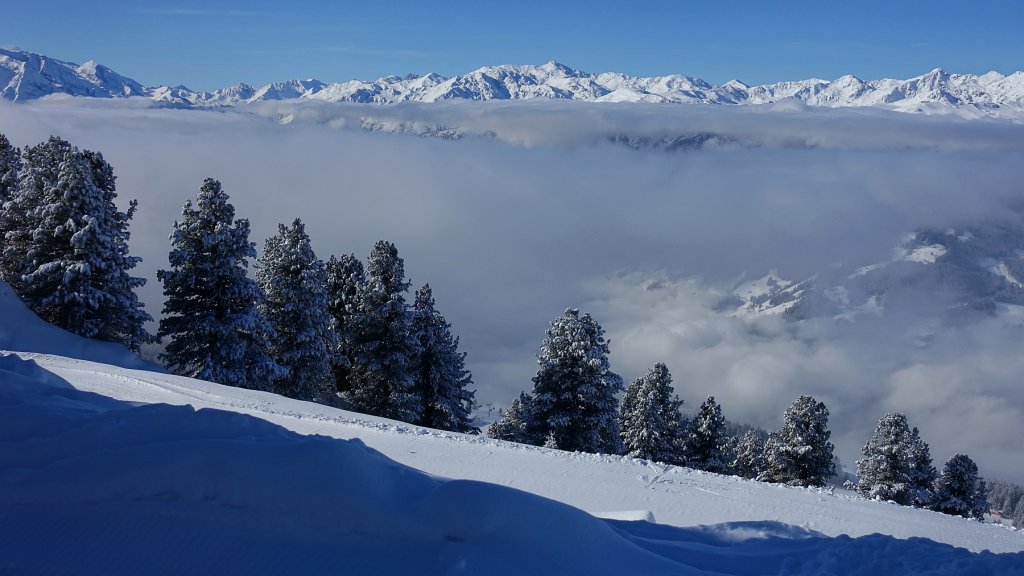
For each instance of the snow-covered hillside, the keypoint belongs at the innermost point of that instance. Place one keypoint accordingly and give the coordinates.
(104, 469)
(968, 273)
(26, 76)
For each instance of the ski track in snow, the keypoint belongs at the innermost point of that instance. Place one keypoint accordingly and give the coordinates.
(614, 486)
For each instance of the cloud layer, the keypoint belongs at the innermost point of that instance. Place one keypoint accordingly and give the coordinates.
(534, 210)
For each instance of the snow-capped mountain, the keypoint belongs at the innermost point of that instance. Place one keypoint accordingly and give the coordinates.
(962, 274)
(25, 76)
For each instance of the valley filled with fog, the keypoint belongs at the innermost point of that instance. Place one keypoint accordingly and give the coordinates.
(653, 218)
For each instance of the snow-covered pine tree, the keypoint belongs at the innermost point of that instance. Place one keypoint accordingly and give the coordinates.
(800, 454)
(294, 281)
(922, 473)
(513, 425)
(385, 349)
(573, 401)
(959, 490)
(10, 166)
(211, 313)
(650, 420)
(884, 471)
(346, 281)
(124, 315)
(65, 247)
(749, 458)
(440, 378)
(705, 437)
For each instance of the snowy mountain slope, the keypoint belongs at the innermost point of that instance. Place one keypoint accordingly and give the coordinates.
(91, 485)
(27, 76)
(92, 453)
(604, 485)
(965, 273)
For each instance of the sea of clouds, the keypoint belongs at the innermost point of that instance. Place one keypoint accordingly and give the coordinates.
(524, 209)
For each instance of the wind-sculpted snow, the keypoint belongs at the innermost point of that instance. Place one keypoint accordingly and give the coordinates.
(90, 485)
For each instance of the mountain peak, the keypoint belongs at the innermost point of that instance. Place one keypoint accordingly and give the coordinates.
(33, 76)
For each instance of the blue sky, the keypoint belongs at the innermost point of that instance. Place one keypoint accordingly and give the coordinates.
(209, 44)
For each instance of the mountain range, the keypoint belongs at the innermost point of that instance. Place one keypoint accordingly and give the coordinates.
(26, 76)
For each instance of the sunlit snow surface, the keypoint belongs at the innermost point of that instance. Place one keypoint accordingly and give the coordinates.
(106, 470)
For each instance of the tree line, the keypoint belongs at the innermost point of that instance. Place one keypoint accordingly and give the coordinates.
(573, 406)
(334, 332)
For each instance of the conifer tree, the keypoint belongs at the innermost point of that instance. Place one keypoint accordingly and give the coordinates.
(346, 284)
(922, 473)
(294, 281)
(799, 453)
(749, 450)
(384, 349)
(211, 313)
(440, 378)
(573, 405)
(705, 437)
(884, 471)
(650, 420)
(65, 248)
(959, 490)
(513, 425)
(10, 166)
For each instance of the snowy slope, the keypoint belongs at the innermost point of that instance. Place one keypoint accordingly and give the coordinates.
(95, 486)
(25, 76)
(969, 273)
(93, 454)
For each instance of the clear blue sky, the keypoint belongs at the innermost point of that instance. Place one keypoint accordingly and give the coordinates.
(212, 43)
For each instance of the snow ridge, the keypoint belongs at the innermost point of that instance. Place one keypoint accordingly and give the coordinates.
(26, 76)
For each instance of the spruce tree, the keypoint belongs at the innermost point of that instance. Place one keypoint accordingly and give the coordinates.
(65, 247)
(650, 421)
(922, 473)
(884, 471)
(384, 350)
(440, 378)
(513, 426)
(705, 437)
(959, 490)
(346, 283)
(10, 166)
(294, 281)
(749, 458)
(211, 313)
(799, 453)
(573, 405)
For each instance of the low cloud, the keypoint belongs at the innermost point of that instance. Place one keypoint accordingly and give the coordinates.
(534, 210)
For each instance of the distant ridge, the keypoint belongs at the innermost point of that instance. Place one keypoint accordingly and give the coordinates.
(27, 76)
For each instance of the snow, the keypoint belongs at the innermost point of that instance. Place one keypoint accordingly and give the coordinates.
(1003, 271)
(925, 254)
(110, 469)
(769, 295)
(937, 92)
